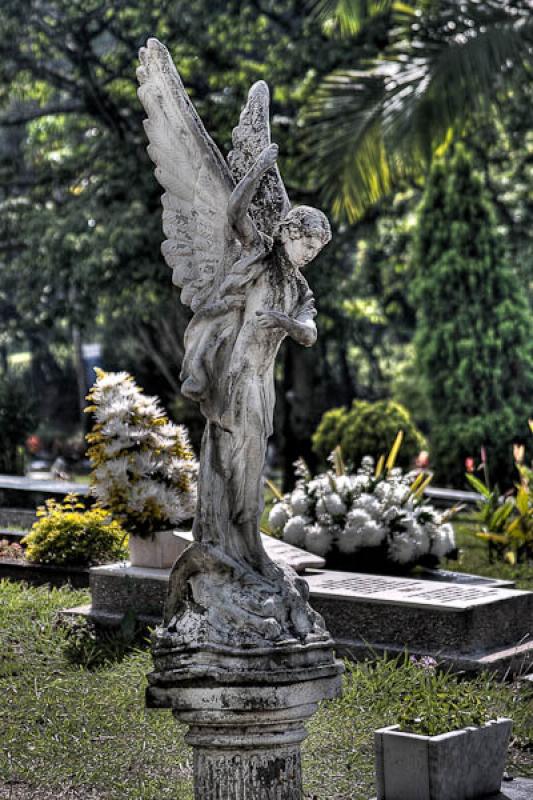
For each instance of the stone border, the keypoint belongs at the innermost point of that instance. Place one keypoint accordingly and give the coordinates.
(40, 574)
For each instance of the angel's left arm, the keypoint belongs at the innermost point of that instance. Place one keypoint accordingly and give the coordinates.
(300, 327)
(242, 195)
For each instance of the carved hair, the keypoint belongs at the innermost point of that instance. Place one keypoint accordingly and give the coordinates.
(305, 220)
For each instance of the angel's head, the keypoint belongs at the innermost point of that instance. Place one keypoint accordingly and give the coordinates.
(303, 233)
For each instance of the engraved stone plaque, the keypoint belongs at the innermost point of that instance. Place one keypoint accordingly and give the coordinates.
(404, 591)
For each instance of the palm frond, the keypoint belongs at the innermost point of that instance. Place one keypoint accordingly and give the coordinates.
(446, 62)
(349, 161)
(351, 15)
(449, 78)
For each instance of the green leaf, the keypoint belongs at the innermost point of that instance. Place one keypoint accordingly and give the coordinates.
(477, 484)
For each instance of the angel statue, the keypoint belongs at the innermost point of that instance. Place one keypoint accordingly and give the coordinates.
(237, 250)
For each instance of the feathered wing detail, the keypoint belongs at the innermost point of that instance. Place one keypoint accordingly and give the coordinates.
(250, 137)
(195, 177)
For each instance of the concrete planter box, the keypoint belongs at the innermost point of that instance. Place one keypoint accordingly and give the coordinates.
(158, 551)
(460, 765)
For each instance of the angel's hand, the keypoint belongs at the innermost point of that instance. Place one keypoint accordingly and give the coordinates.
(272, 319)
(303, 332)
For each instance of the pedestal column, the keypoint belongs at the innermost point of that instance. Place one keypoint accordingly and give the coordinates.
(246, 739)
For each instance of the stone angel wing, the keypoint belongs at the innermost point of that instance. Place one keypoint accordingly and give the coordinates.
(194, 175)
(250, 137)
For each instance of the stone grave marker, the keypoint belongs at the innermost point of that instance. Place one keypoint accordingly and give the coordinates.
(469, 626)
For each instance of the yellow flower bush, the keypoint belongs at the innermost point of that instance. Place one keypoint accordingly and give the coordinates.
(68, 534)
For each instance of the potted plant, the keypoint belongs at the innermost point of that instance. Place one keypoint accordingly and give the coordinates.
(143, 468)
(445, 745)
(373, 520)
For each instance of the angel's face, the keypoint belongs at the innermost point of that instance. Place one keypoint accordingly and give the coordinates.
(302, 249)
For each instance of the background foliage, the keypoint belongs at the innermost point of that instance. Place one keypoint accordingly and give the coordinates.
(363, 96)
(473, 340)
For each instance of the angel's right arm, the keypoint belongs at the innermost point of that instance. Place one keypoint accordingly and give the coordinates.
(242, 195)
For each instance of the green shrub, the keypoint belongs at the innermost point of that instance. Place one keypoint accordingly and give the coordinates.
(17, 419)
(434, 702)
(368, 429)
(69, 534)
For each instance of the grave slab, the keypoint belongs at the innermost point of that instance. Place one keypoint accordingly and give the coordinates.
(468, 626)
(118, 588)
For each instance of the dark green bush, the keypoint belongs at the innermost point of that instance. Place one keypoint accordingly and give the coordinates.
(474, 323)
(368, 429)
(17, 419)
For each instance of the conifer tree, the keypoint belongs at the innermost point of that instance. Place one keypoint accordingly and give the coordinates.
(474, 325)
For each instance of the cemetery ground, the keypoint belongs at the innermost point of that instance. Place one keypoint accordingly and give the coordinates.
(69, 731)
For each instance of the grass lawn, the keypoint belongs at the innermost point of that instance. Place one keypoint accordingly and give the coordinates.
(70, 732)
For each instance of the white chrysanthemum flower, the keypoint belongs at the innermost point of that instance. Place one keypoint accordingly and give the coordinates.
(418, 536)
(390, 514)
(110, 380)
(443, 540)
(367, 464)
(148, 407)
(334, 505)
(399, 494)
(279, 516)
(371, 534)
(383, 490)
(369, 503)
(349, 540)
(343, 484)
(318, 539)
(295, 530)
(141, 456)
(322, 514)
(300, 501)
(356, 518)
(319, 486)
(359, 483)
(402, 548)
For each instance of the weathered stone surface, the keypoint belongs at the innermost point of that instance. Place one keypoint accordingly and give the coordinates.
(421, 614)
(237, 250)
(459, 765)
(278, 551)
(516, 789)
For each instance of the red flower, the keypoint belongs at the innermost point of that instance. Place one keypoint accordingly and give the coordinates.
(422, 460)
(33, 443)
(470, 464)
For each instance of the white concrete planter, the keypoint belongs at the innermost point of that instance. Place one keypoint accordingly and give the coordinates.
(158, 551)
(460, 765)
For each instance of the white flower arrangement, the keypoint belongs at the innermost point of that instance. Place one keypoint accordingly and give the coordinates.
(144, 470)
(378, 508)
